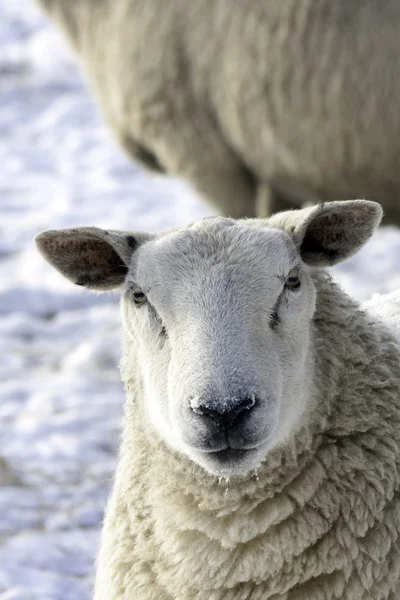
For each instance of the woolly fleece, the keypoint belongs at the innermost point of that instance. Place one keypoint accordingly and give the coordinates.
(260, 105)
(320, 519)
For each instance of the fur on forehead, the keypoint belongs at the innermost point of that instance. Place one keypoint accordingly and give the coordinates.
(216, 241)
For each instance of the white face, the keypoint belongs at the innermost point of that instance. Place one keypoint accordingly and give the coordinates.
(220, 316)
(222, 337)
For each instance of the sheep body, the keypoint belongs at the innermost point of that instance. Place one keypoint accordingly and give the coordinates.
(297, 497)
(260, 105)
(318, 521)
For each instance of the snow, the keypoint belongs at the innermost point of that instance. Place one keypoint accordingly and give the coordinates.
(386, 309)
(60, 396)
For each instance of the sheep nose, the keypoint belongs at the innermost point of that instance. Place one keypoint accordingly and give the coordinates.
(224, 412)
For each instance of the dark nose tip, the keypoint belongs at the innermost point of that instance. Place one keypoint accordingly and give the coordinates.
(226, 412)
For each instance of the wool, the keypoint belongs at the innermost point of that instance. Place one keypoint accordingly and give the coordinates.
(319, 520)
(259, 105)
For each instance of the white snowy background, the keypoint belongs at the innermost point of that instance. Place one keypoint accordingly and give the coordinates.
(60, 394)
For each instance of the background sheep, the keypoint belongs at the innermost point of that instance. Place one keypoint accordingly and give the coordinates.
(242, 355)
(298, 94)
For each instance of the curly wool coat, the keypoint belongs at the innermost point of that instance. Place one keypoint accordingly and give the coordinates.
(320, 520)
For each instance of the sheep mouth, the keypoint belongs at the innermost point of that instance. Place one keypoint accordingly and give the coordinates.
(230, 455)
(230, 462)
(233, 462)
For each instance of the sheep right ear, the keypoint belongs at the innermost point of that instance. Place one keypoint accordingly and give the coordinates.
(91, 257)
(328, 233)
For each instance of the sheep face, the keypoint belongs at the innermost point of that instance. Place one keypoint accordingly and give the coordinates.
(223, 339)
(219, 321)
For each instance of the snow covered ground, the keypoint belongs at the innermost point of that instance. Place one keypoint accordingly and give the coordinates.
(60, 394)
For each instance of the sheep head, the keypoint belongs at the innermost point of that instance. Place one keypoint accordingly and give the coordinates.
(219, 315)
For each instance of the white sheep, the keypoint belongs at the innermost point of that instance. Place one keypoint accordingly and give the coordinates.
(261, 446)
(260, 105)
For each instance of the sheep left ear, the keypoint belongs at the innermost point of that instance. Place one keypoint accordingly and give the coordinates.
(94, 258)
(328, 233)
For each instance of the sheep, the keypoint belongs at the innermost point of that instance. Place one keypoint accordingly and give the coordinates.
(259, 105)
(261, 445)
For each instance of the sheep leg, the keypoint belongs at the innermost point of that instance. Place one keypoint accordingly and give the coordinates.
(231, 193)
(139, 153)
(229, 188)
(194, 150)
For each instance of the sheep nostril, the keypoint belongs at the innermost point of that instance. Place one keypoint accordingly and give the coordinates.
(223, 412)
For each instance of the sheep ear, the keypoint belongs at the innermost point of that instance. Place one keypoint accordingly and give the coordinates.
(328, 233)
(88, 256)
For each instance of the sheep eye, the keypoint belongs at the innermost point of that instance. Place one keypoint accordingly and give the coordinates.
(293, 281)
(139, 297)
